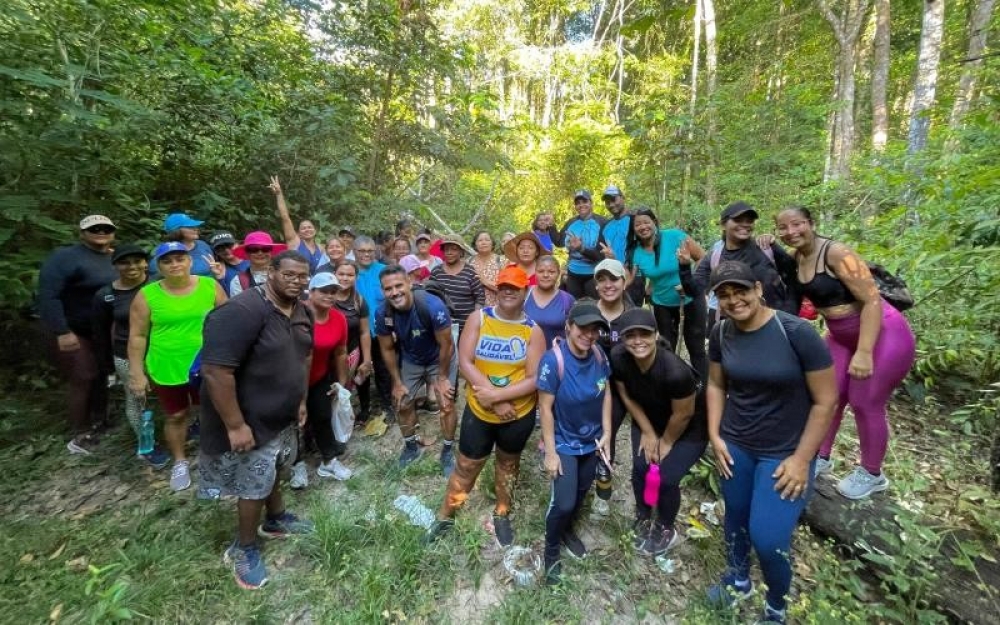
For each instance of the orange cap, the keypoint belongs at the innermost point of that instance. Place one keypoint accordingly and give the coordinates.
(513, 276)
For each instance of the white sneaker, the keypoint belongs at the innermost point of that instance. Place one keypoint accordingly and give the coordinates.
(300, 476)
(334, 469)
(601, 506)
(180, 476)
(823, 466)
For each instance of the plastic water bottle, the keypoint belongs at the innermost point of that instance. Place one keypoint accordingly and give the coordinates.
(147, 433)
(651, 493)
(419, 514)
(603, 489)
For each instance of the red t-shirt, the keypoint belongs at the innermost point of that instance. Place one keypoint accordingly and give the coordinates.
(326, 338)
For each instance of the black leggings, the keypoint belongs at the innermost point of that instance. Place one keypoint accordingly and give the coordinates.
(319, 424)
(581, 285)
(683, 455)
(383, 382)
(668, 320)
(568, 491)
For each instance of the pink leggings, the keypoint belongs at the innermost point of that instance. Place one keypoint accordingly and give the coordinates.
(893, 356)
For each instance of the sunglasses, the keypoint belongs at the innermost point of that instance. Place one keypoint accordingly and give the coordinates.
(254, 249)
(101, 229)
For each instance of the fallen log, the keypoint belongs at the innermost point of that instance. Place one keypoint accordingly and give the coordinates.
(944, 567)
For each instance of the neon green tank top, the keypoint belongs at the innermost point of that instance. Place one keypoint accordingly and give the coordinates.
(175, 330)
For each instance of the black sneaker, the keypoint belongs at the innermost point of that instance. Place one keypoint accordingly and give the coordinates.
(411, 451)
(553, 573)
(438, 529)
(574, 546)
(503, 530)
(640, 532)
(660, 539)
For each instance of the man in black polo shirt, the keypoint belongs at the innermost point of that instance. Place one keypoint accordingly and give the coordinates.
(255, 363)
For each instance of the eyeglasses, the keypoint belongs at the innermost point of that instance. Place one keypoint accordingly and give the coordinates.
(101, 229)
(361, 251)
(254, 249)
(288, 276)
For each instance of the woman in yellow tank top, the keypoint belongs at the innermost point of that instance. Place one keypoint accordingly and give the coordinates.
(498, 353)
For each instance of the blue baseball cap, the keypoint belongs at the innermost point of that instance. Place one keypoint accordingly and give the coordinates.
(180, 220)
(170, 247)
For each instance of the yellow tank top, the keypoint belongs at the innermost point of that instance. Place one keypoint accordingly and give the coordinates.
(502, 356)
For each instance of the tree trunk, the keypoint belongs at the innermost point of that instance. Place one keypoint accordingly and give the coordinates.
(880, 77)
(711, 64)
(978, 28)
(925, 84)
(695, 59)
(846, 28)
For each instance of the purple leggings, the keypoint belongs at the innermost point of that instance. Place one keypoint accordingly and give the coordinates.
(892, 358)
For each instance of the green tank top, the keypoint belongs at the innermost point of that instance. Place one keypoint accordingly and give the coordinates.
(175, 330)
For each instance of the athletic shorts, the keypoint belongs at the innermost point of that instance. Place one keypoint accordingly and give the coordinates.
(416, 378)
(477, 437)
(246, 475)
(175, 399)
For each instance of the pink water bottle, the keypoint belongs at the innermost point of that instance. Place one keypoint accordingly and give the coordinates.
(651, 494)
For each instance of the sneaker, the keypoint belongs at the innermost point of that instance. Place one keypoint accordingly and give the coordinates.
(389, 416)
(553, 573)
(83, 445)
(860, 484)
(660, 540)
(335, 469)
(771, 615)
(729, 590)
(447, 460)
(157, 458)
(438, 529)
(411, 451)
(640, 532)
(574, 546)
(601, 507)
(300, 476)
(503, 530)
(180, 476)
(248, 566)
(823, 466)
(284, 525)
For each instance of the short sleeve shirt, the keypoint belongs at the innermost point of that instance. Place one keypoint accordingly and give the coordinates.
(327, 337)
(416, 343)
(268, 352)
(551, 318)
(579, 398)
(353, 314)
(768, 400)
(669, 378)
(664, 273)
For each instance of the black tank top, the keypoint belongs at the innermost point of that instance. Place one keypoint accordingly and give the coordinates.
(825, 290)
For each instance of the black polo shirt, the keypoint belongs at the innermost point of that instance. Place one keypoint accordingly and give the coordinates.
(268, 352)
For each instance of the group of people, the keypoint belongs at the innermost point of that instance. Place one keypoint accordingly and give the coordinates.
(269, 330)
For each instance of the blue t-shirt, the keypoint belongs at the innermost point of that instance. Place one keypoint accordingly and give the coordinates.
(552, 318)
(768, 400)
(199, 265)
(545, 239)
(615, 234)
(664, 274)
(315, 258)
(370, 288)
(416, 343)
(589, 231)
(579, 398)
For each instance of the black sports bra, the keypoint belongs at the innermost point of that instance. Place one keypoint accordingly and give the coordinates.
(825, 290)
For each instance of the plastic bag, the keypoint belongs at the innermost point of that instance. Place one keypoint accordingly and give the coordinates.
(343, 414)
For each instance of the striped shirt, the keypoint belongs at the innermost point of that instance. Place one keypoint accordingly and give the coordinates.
(465, 291)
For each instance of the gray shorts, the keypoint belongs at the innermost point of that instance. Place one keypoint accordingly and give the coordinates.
(417, 378)
(246, 475)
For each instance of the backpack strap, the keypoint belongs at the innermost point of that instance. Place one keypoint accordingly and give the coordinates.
(716, 257)
(560, 363)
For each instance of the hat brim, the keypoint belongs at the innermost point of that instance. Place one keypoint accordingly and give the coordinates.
(637, 326)
(159, 257)
(241, 252)
(589, 320)
(744, 283)
(121, 257)
(510, 247)
(616, 276)
(751, 211)
(513, 284)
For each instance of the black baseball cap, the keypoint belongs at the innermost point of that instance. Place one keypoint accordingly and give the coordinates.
(732, 272)
(637, 318)
(221, 238)
(123, 251)
(582, 193)
(736, 209)
(611, 191)
(586, 314)
(349, 231)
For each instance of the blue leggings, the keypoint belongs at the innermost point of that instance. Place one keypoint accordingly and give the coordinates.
(756, 515)
(568, 491)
